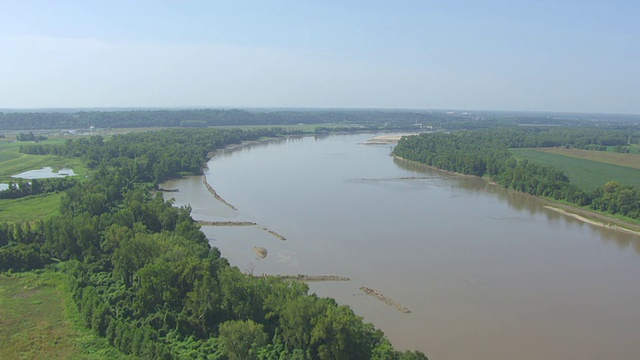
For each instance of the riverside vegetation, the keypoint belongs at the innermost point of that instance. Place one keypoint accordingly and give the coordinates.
(141, 275)
(485, 152)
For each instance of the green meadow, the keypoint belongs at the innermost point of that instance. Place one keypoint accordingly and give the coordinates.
(12, 162)
(585, 173)
(29, 208)
(631, 160)
(37, 323)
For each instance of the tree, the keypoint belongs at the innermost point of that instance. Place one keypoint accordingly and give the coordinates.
(241, 339)
(132, 254)
(340, 334)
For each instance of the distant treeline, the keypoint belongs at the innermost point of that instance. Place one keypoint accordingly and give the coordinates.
(144, 276)
(485, 152)
(195, 118)
(30, 137)
(383, 119)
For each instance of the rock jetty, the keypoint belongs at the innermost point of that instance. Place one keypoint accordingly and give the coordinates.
(385, 299)
(275, 234)
(215, 194)
(308, 278)
(226, 223)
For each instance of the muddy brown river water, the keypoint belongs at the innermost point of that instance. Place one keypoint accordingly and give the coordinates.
(486, 274)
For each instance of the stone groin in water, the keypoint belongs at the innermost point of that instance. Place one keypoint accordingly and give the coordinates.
(275, 234)
(308, 278)
(166, 190)
(385, 299)
(226, 223)
(215, 194)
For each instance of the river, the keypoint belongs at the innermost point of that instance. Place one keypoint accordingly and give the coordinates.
(486, 273)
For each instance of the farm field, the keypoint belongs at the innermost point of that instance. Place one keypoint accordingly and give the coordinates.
(586, 173)
(610, 157)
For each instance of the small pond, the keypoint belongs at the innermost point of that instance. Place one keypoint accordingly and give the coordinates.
(44, 173)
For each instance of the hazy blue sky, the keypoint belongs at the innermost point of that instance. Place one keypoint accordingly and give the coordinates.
(559, 55)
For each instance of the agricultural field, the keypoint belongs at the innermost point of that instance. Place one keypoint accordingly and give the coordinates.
(631, 160)
(590, 170)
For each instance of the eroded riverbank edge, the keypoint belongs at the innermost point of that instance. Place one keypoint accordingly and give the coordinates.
(585, 215)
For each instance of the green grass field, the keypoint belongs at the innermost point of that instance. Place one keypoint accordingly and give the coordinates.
(12, 162)
(30, 208)
(631, 160)
(32, 323)
(35, 323)
(586, 174)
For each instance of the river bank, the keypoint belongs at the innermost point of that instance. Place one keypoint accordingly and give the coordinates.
(585, 215)
(604, 221)
(386, 139)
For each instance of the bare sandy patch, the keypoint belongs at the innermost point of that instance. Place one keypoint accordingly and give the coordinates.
(385, 139)
(592, 222)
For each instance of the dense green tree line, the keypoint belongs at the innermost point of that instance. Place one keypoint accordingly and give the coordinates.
(36, 186)
(30, 137)
(144, 276)
(152, 156)
(574, 137)
(20, 247)
(485, 152)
